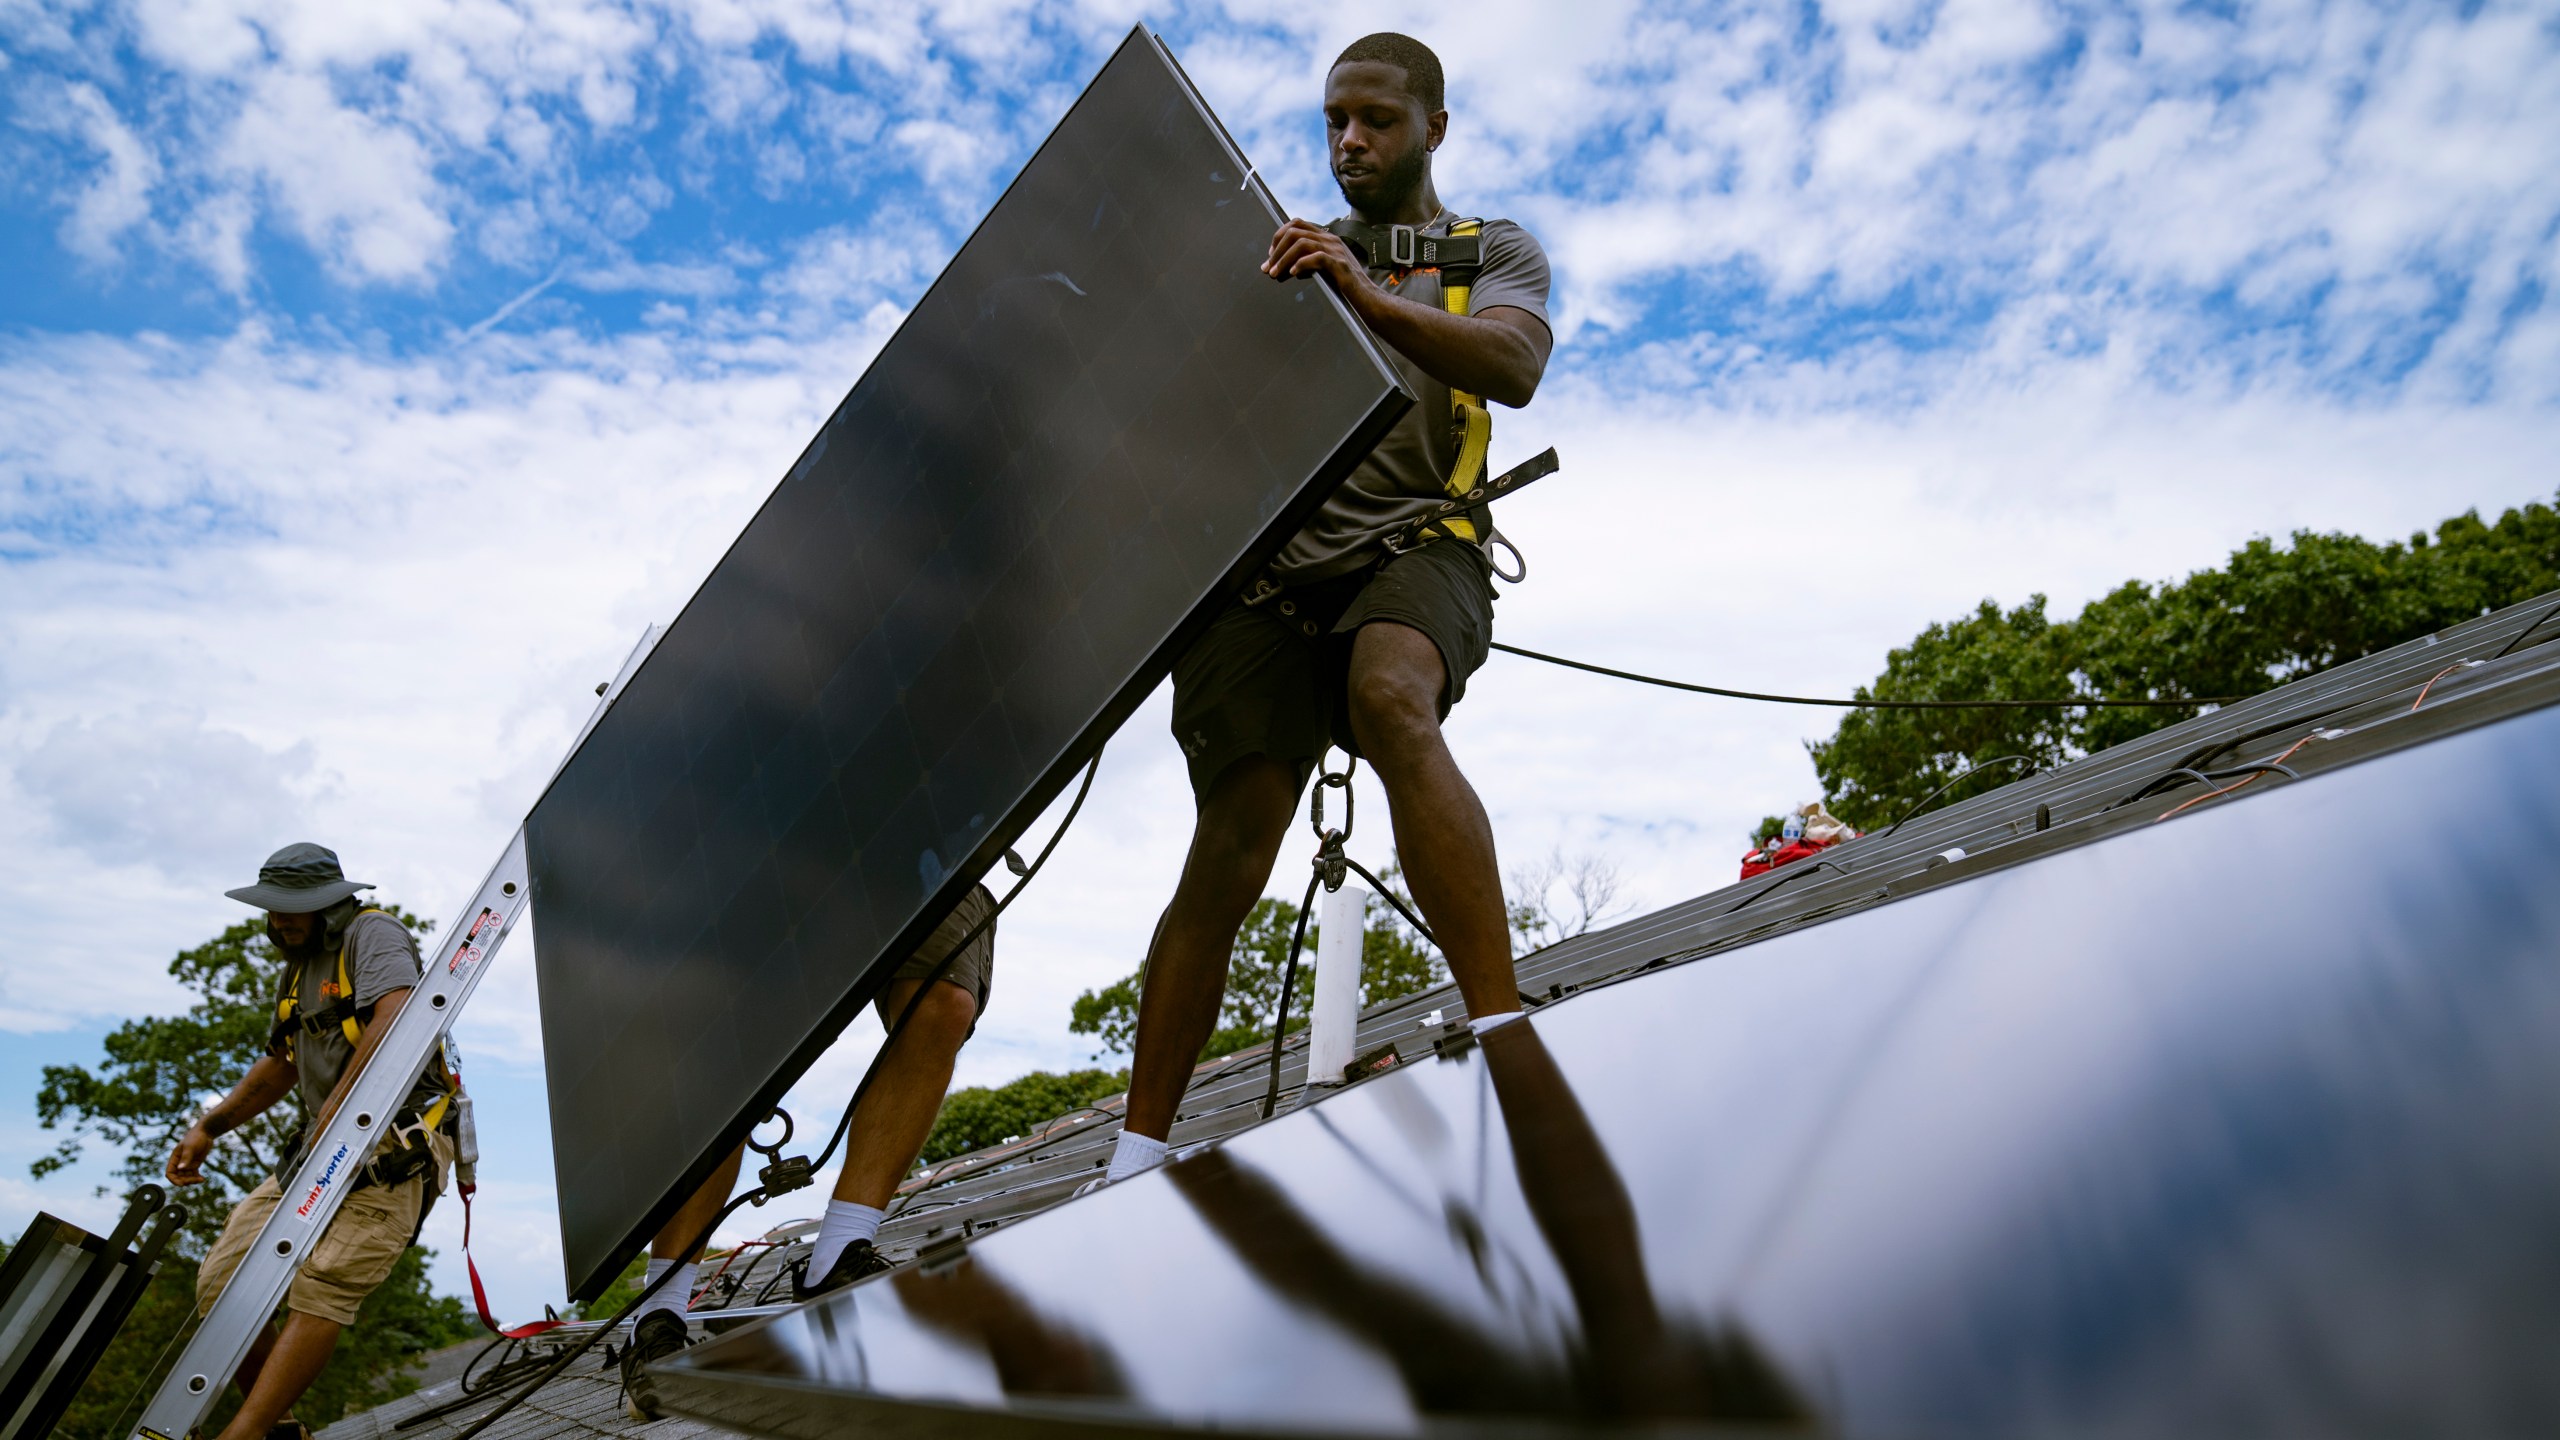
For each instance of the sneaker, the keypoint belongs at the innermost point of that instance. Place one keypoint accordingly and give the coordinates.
(659, 1334)
(860, 1261)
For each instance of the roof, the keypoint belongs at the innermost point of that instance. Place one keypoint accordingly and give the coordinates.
(2498, 666)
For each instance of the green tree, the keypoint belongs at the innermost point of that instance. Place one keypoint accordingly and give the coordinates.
(1393, 962)
(157, 1075)
(982, 1115)
(2271, 614)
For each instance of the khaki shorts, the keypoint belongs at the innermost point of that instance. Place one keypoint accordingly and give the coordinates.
(974, 971)
(355, 1253)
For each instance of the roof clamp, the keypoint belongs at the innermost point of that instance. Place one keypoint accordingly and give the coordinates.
(1376, 1062)
(1452, 1040)
(942, 1255)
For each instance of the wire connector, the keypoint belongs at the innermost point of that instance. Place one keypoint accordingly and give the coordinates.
(784, 1176)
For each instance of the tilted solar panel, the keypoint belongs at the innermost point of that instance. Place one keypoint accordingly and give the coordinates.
(1099, 419)
(2239, 1124)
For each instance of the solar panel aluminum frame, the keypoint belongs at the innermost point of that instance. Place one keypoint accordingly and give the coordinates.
(590, 1268)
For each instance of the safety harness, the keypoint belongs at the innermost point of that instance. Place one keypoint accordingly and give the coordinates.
(405, 1153)
(1458, 257)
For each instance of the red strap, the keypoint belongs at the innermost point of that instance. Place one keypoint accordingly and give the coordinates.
(480, 1297)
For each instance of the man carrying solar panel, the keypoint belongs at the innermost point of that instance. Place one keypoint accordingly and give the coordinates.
(1344, 642)
(887, 1133)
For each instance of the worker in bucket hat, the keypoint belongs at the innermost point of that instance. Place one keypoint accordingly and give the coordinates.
(345, 970)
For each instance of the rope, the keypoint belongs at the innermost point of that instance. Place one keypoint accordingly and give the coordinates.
(2081, 701)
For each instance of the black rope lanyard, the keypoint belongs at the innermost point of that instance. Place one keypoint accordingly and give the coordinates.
(1331, 866)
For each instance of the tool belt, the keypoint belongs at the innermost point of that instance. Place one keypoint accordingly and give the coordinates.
(403, 1156)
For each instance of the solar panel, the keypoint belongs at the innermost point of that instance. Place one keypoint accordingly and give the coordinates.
(1096, 423)
(2239, 1123)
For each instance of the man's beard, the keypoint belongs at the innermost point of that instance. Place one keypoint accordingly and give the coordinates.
(1393, 184)
(326, 926)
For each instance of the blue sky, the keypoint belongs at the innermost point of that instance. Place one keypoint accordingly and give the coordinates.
(370, 375)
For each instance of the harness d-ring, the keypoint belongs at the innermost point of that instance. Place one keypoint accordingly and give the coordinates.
(1518, 560)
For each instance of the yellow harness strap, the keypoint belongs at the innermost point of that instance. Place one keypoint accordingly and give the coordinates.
(1471, 421)
(292, 1000)
(354, 1031)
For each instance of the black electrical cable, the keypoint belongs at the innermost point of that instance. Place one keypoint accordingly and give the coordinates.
(2527, 630)
(2088, 702)
(1969, 773)
(1796, 871)
(569, 1357)
(915, 1002)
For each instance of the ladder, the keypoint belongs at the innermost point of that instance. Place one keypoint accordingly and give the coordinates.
(213, 1354)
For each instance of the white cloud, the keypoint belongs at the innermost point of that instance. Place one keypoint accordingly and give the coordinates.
(361, 191)
(118, 195)
(158, 786)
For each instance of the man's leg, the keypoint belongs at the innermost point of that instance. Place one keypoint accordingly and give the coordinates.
(287, 1370)
(1234, 839)
(1442, 835)
(890, 1126)
(679, 1241)
(256, 1359)
(658, 1327)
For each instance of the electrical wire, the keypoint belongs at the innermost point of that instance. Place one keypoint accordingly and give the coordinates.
(2276, 765)
(915, 1002)
(1969, 773)
(2505, 649)
(2084, 701)
(2432, 679)
(570, 1356)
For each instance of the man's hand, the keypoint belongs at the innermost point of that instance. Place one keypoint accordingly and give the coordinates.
(1303, 247)
(186, 1162)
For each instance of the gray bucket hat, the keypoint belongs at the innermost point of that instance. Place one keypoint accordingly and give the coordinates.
(297, 880)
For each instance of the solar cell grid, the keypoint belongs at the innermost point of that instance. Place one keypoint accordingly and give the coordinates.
(1097, 420)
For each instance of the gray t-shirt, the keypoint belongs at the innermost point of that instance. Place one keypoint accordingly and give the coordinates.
(1409, 471)
(381, 957)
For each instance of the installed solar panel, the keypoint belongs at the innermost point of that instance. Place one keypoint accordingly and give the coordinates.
(2237, 1124)
(1096, 422)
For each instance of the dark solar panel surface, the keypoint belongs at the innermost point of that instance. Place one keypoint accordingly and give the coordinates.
(1096, 422)
(2231, 1125)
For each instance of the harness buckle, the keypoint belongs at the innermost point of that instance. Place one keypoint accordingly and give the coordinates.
(1262, 588)
(1400, 246)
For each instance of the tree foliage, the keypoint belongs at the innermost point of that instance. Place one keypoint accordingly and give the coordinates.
(981, 1115)
(1393, 962)
(2271, 614)
(157, 1076)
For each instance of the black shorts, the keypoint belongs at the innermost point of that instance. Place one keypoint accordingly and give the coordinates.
(1271, 679)
(974, 971)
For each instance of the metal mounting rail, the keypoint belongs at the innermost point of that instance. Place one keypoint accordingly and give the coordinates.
(241, 1313)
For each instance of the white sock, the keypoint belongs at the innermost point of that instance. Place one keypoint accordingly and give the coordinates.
(1133, 1154)
(1481, 1023)
(846, 1222)
(675, 1295)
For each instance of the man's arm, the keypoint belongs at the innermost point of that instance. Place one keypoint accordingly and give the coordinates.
(268, 1081)
(369, 1039)
(1500, 354)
